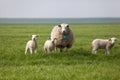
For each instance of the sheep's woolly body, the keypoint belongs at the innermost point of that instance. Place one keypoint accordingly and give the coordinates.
(63, 39)
(49, 45)
(100, 43)
(32, 45)
(106, 44)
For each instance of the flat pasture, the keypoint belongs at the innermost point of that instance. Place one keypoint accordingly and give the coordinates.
(78, 63)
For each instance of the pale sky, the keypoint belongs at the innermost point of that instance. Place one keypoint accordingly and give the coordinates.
(59, 8)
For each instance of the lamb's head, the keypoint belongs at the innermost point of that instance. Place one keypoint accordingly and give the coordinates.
(64, 28)
(34, 37)
(53, 40)
(113, 40)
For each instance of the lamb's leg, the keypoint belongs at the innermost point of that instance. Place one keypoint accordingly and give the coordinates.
(26, 49)
(31, 50)
(107, 51)
(48, 50)
(94, 51)
(55, 49)
(45, 49)
(35, 51)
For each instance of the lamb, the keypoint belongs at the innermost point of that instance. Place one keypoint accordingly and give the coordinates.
(32, 45)
(49, 45)
(64, 36)
(106, 44)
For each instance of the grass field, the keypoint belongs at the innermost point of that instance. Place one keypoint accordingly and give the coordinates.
(76, 64)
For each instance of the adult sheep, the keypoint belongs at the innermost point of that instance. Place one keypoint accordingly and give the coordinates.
(106, 44)
(64, 36)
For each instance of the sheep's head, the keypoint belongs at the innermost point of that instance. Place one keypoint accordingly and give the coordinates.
(34, 37)
(64, 28)
(53, 40)
(113, 40)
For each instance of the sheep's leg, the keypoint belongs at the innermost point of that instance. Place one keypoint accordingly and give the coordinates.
(55, 48)
(66, 49)
(68, 46)
(94, 51)
(45, 49)
(61, 49)
(26, 50)
(35, 51)
(31, 50)
(107, 51)
(48, 50)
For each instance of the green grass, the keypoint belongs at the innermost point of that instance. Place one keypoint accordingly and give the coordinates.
(76, 64)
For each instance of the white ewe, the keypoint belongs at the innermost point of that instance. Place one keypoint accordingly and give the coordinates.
(49, 45)
(64, 36)
(32, 45)
(106, 44)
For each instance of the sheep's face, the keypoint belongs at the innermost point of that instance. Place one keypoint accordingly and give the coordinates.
(34, 37)
(64, 28)
(113, 40)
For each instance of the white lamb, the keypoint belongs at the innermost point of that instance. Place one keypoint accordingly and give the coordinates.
(49, 45)
(106, 44)
(32, 45)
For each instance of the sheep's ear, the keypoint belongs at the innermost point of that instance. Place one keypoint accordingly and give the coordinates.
(59, 25)
(68, 26)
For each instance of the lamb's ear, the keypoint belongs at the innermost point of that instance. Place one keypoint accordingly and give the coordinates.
(59, 25)
(68, 26)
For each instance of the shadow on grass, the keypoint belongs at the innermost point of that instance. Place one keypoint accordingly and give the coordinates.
(79, 56)
(72, 57)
